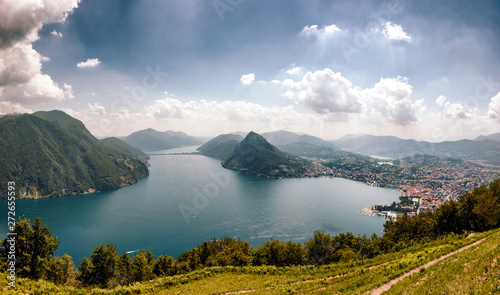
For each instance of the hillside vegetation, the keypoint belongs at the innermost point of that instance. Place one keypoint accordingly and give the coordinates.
(51, 154)
(472, 271)
(221, 147)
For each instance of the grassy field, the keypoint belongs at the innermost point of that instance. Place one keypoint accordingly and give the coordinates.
(473, 271)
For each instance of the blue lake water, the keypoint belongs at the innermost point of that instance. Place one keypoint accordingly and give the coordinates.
(188, 199)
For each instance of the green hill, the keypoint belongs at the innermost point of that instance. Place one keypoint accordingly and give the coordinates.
(255, 155)
(125, 148)
(221, 147)
(51, 154)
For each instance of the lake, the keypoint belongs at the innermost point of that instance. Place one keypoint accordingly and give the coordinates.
(188, 199)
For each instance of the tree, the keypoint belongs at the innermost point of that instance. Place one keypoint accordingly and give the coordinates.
(164, 266)
(61, 270)
(295, 254)
(466, 213)
(34, 247)
(487, 211)
(99, 269)
(142, 266)
(43, 246)
(447, 218)
(123, 270)
(319, 248)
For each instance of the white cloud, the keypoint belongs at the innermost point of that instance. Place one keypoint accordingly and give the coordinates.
(68, 91)
(233, 111)
(323, 91)
(294, 71)
(395, 32)
(494, 107)
(275, 82)
(326, 92)
(440, 100)
(247, 79)
(39, 89)
(454, 110)
(321, 33)
(6, 107)
(18, 64)
(90, 63)
(390, 100)
(56, 33)
(22, 20)
(21, 79)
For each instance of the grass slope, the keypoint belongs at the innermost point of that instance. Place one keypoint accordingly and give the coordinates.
(473, 270)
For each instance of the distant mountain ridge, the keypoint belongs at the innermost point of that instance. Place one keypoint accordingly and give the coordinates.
(152, 140)
(282, 137)
(494, 136)
(51, 154)
(485, 151)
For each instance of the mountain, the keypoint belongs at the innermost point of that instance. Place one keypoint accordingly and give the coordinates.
(255, 155)
(51, 154)
(281, 138)
(308, 150)
(125, 148)
(221, 147)
(152, 140)
(494, 136)
(486, 152)
(316, 141)
(359, 142)
(350, 136)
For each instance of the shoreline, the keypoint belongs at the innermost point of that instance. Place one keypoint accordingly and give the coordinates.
(370, 212)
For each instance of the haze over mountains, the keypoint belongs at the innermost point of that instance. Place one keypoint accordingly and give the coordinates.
(495, 136)
(152, 140)
(483, 151)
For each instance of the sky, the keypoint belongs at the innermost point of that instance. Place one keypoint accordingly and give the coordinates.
(427, 70)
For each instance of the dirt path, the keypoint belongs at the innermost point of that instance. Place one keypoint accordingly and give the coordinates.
(388, 285)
